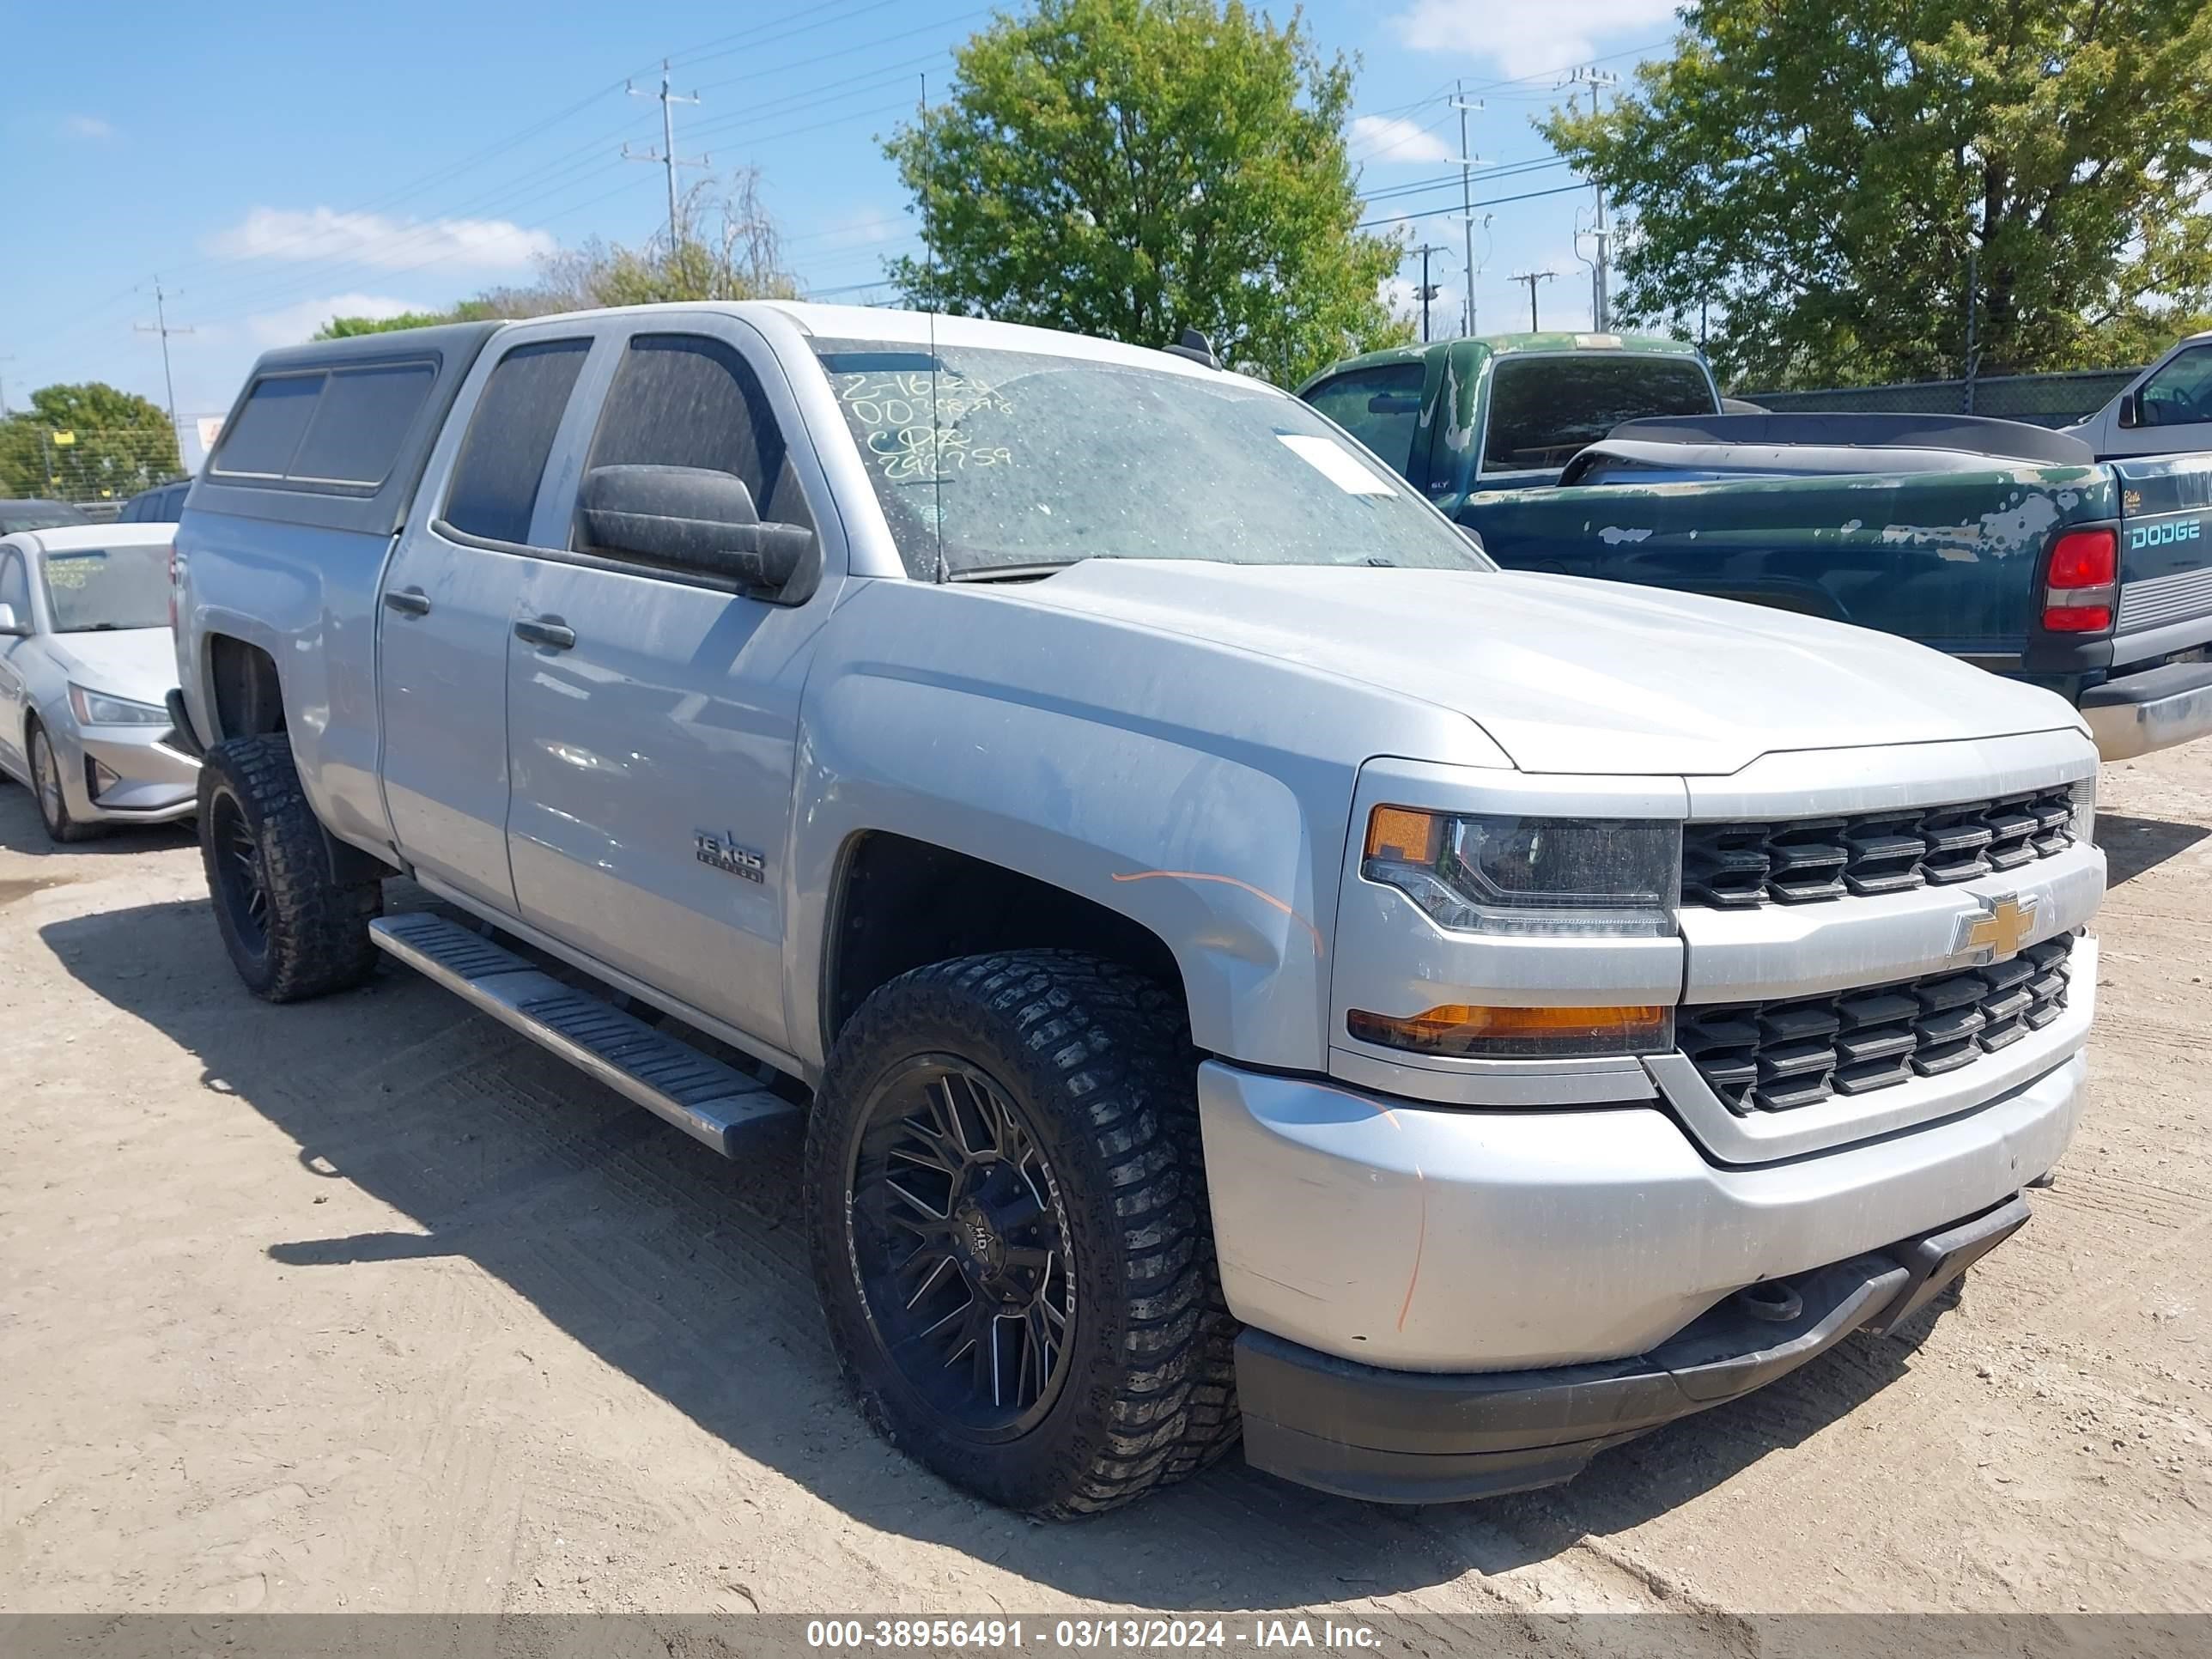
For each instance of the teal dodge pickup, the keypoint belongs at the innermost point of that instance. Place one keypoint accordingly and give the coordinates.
(2005, 545)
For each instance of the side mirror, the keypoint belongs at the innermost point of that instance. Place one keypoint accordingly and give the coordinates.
(690, 518)
(1394, 403)
(2130, 410)
(9, 624)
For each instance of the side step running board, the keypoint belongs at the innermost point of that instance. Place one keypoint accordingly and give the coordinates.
(703, 1097)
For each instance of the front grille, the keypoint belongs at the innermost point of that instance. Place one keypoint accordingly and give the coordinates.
(1775, 1056)
(1737, 867)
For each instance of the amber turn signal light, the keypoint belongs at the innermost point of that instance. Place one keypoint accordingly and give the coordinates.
(1404, 836)
(1456, 1029)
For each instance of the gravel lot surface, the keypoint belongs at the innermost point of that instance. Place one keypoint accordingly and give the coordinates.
(366, 1305)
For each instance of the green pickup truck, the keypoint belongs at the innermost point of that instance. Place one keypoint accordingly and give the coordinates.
(2012, 547)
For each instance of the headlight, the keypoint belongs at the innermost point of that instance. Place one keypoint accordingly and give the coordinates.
(2084, 811)
(97, 709)
(1492, 873)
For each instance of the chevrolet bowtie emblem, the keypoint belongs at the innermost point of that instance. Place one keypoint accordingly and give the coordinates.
(1997, 932)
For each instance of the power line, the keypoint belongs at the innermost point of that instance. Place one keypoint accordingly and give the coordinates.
(724, 44)
(1432, 213)
(869, 45)
(1503, 170)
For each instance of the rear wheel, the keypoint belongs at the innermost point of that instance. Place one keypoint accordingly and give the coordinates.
(1009, 1223)
(292, 929)
(46, 787)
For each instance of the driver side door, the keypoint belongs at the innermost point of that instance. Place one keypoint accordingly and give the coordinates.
(652, 715)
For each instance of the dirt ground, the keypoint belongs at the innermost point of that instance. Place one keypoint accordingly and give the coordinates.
(369, 1305)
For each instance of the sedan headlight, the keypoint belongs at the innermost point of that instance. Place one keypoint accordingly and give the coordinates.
(1498, 873)
(98, 708)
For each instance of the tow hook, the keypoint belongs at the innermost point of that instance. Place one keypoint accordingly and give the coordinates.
(1773, 1301)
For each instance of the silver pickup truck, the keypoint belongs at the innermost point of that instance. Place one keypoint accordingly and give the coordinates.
(1248, 964)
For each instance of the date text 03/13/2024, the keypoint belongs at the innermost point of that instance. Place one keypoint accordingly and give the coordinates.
(1125, 1634)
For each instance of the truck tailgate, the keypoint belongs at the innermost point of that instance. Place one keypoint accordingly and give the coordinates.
(2166, 556)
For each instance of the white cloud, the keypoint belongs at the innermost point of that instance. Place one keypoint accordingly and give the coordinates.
(1529, 40)
(1399, 295)
(1392, 138)
(296, 323)
(86, 126)
(372, 239)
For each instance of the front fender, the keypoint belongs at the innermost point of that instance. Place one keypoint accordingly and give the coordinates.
(1233, 866)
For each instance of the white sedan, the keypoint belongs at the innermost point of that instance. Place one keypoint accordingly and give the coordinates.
(86, 664)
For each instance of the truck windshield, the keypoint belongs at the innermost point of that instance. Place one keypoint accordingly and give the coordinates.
(1543, 408)
(1040, 460)
(94, 589)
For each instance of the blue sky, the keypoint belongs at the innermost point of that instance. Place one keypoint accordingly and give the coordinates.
(274, 167)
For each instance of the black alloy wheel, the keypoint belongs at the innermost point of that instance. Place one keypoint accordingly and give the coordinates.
(958, 1235)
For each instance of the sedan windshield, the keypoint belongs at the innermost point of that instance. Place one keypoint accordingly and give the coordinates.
(1036, 460)
(38, 515)
(94, 588)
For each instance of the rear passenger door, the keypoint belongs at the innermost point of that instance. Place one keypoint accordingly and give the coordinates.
(651, 740)
(448, 606)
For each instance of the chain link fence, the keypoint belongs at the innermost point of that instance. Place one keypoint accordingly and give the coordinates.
(95, 469)
(2053, 400)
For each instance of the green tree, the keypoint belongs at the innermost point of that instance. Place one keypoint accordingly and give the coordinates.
(87, 442)
(1134, 167)
(345, 328)
(1821, 170)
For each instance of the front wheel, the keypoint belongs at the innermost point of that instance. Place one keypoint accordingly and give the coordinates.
(46, 786)
(292, 930)
(1008, 1216)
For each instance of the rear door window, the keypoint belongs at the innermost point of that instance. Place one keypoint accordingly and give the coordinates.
(359, 423)
(510, 436)
(264, 433)
(1544, 409)
(1381, 407)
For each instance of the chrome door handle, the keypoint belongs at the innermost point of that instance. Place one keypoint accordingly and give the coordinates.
(549, 631)
(409, 602)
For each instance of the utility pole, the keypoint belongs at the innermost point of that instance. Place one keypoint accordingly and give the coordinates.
(1467, 162)
(1601, 300)
(9, 358)
(665, 156)
(161, 326)
(1533, 277)
(1428, 290)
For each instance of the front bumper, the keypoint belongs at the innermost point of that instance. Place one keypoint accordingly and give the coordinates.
(1417, 1438)
(2154, 709)
(156, 782)
(1425, 1238)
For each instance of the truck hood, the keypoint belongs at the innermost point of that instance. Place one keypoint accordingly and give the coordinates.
(139, 664)
(1566, 674)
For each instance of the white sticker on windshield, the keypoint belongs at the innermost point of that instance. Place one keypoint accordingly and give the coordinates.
(1338, 465)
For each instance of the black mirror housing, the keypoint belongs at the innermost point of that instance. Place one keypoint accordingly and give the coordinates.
(693, 518)
(2130, 410)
